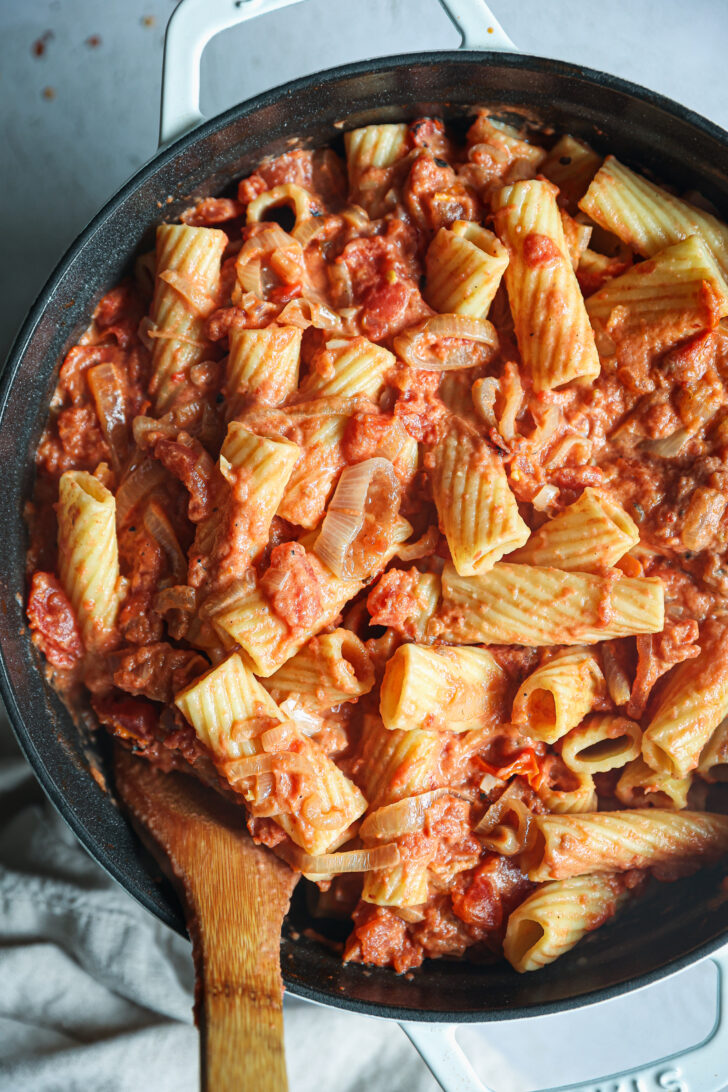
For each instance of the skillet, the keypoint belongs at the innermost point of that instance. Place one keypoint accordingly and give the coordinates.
(656, 936)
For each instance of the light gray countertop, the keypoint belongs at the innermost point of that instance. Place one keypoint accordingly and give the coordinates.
(77, 120)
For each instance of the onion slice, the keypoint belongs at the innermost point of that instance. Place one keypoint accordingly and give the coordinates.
(239, 769)
(351, 860)
(367, 493)
(156, 522)
(137, 484)
(404, 817)
(445, 342)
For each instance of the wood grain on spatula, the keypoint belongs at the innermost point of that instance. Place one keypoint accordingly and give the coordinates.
(236, 895)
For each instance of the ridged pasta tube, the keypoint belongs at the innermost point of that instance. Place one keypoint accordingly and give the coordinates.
(713, 764)
(571, 165)
(188, 273)
(230, 711)
(88, 556)
(451, 689)
(348, 366)
(591, 535)
(527, 605)
(558, 695)
(678, 292)
(256, 471)
(692, 705)
(405, 600)
(465, 264)
(266, 639)
(614, 841)
(262, 366)
(551, 323)
(552, 920)
(222, 701)
(603, 742)
(373, 146)
(332, 668)
(396, 764)
(579, 794)
(476, 508)
(647, 218)
(312, 480)
(642, 787)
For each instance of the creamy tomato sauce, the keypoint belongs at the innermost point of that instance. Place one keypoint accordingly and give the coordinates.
(651, 432)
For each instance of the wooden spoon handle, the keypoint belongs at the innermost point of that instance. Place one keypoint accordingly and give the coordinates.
(236, 895)
(239, 982)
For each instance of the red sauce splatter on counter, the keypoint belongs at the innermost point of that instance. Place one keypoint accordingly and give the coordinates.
(39, 45)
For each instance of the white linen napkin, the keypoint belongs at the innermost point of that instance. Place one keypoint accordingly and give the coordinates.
(96, 993)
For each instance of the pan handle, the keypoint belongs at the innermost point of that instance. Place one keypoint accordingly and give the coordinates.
(195, 22)
(700, 1069)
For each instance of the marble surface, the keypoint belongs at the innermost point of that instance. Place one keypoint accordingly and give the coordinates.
(80, 114)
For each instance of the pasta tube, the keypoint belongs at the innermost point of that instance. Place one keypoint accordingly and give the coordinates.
(476, 507)
(603, 742)
(332, 668)
(647, 218)
(88, 556)
(235, 718)
(394, 764)
(220, 704)
(451, 689)
(557, 696)
(571, 165)
(526, 605)
(262, 366)
(641, 787)
(614, 841)
(373, 146)
(569, 795)
(556, 916)
(551, 324)
(713, 764)
(692, 705)
(678, 292)
(589, 536)
(314, 475)
(188, 274)
(405, 600)
(348, 367)
(266, 639)
(465, 264)
(397, 766)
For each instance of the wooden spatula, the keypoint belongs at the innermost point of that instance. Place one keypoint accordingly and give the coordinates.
(236, 895)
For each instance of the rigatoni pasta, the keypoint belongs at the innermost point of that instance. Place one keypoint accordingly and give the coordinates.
(452, 689)
(692, 705)
(620, 840)
(589, 536)
(555, 340)
(558, 914)
(646, 217)
(528, 605)
(559, 694)
(407, 528)
(187, 277)
(88, 556)
(478, 512)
